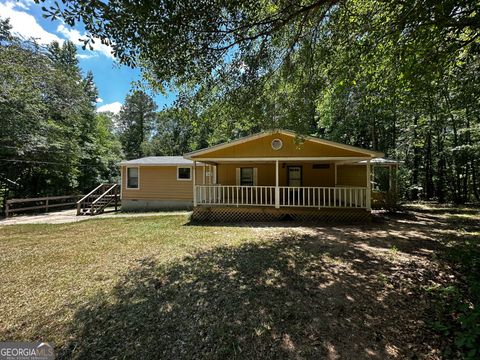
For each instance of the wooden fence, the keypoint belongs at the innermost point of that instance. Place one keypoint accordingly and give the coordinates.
(45, 203)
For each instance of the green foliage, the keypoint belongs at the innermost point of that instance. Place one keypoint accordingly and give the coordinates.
(458, 313)
(400, 77)
(136, 122)
(49, 131)
(173, 133)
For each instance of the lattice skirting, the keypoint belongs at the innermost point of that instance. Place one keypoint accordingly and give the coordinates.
(259, 214)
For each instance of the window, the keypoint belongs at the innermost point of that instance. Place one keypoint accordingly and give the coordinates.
(277, 144)
(132, 178)
(246, 176)
(184, 173)
(294, 176)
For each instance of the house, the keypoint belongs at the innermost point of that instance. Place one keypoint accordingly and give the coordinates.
(264, 176)
(158, 182)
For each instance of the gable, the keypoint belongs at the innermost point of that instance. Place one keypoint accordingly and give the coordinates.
(261, 146)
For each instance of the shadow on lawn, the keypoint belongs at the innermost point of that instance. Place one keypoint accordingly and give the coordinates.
(321, 294)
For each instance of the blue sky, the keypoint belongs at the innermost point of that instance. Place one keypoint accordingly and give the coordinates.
(113, 80)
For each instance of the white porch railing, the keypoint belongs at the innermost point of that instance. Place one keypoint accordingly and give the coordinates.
(235, 195)
(337, 197)
(333, 197)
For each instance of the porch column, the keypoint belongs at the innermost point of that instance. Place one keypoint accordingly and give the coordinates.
(373, 177)
(277, 190)
(369, 187)
(335, 174)
(194, 189)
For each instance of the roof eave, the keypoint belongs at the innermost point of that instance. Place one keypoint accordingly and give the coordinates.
(371, 153)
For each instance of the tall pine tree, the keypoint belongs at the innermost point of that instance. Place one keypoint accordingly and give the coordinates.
(136, 121)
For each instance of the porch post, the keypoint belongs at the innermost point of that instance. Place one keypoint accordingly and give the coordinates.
(373, 177)
(277, 190)
(369, 187)
(194, 189)
(335, 174)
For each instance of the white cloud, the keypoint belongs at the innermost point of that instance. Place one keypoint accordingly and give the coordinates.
(113, 107)
(21, 5)
(24, 4)
(86, 56)
(99, 100)
(75, 36)
(25, 24)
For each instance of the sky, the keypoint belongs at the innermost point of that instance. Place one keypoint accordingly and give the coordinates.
(112, 79)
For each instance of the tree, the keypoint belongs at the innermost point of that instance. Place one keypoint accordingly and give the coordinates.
(52, 142)
(211, 36)
(136, 121)
(397, 76)
(173, 133)
(64, 56)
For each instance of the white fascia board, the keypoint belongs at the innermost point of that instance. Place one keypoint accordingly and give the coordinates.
(264, 159)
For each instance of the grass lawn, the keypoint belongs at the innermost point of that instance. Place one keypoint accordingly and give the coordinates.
(157, 287)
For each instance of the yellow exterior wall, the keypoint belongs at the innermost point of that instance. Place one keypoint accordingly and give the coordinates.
(262, 148)
(226, 174)
(352, 175)
(160, 183)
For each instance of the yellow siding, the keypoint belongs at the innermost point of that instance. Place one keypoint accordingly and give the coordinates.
(160, 183)
(266, 174)
(352, 175)
(262, 148)
(226, 173)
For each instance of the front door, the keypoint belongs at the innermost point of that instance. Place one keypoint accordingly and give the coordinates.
(294, 176)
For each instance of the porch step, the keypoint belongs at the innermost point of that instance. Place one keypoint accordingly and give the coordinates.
(98, 199)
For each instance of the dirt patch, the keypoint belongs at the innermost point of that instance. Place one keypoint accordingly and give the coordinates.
(70, 216)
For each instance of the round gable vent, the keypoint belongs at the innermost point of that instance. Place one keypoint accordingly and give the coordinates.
(277, 144)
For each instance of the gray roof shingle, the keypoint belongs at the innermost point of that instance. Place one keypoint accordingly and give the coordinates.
(158, 160)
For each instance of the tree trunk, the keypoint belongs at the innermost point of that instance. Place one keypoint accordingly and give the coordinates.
(416, 160)
(441, 168)
(428, 166)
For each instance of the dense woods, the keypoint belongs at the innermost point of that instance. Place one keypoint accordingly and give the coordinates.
(52, 142)
(397, 76)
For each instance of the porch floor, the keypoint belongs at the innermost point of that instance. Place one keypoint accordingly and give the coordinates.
(261, 214)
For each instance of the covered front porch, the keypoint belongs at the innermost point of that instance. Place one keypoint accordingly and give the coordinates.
(314, 183)
(277, 174)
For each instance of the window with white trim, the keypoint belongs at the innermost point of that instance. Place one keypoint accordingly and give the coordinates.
(184, 173)
(132, 178)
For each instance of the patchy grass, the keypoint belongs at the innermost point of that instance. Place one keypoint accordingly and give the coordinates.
(49, 270)
(158, 287)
